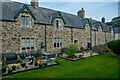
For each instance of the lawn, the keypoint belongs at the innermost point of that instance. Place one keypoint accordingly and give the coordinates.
(102, 66)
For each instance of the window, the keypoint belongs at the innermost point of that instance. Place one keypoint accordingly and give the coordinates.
(54, 42)
(57, 42)
(27, 43)
(25, 21)
(58, 24)
(32, 43)
(60, 42)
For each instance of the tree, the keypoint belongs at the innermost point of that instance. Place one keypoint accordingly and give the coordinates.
(116, 22)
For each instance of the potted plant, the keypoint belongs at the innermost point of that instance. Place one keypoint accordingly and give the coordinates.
(4, 68)
(36, 62)
(4, 60)
(18, 58)
(13, 67)
(23, 64)
(17, 68)
(9, 70)
(31, 61)
(40, 63)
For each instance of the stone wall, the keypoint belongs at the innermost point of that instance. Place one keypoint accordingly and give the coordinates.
(12, 33)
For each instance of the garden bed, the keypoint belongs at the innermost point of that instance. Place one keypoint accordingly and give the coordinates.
(87, 55)
(30, 67)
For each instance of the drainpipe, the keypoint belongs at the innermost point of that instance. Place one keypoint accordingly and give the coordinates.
(90, 32)
(45, 39)
(105, 38)
(95, 37)
(72, 35)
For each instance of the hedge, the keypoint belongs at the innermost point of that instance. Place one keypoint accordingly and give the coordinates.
(114, 46)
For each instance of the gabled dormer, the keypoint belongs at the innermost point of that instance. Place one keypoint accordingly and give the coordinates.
(57, 20)
(25, 16)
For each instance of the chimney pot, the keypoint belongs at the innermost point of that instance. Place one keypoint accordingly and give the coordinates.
(81, 13)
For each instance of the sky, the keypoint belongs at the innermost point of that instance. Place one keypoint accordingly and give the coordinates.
(93, 9)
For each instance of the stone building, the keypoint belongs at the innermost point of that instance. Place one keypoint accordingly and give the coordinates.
(28, 27)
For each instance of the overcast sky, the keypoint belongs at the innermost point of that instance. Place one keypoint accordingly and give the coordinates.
(93, 9)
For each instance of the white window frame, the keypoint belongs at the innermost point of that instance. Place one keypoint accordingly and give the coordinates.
(25, 21)
(27, 44)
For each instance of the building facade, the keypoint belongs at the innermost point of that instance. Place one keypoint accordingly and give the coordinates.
(30, 27)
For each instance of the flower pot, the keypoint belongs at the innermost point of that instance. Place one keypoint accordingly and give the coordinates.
(13, 68)
(40, 65)
(36, 64)
(9, 71)
(31, 63)
(23, 65)
(45, 64)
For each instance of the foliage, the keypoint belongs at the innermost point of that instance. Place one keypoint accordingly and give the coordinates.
(4, 59)
(116, 21)
(71, 49)
(18, 58)
(114, 46)
(4, 66)
(22, 62)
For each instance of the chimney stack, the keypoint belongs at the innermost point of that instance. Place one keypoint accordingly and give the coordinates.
(35, 4)
(103, 20)
(81, 13)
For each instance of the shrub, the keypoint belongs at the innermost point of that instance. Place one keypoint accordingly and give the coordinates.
(114, 46)
(72, 48)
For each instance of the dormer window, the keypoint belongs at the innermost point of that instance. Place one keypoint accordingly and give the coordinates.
(58, 24)
(25, 21)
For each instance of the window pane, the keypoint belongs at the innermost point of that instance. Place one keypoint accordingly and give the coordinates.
(23, 43)
(23, 21)
(28, 43)
(32, 42)
(57, 26)
(55, 42)
(27, 21)
(60, 42)
(60, 24)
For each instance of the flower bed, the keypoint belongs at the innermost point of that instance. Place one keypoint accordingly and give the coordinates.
(17, 68)
(79, 56)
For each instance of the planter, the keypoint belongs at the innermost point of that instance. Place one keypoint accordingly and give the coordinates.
(3, 70)
(9, 71)
(13, 68)
(23, 65)
(45, 64)
(36, 64)
(40, 65)
(31, 63)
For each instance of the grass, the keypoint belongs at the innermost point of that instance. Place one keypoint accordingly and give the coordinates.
(102, 66)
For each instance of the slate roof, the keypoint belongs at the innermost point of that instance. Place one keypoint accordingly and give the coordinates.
(117, 30)
(44, 16)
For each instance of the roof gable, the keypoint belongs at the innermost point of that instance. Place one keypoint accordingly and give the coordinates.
(25, 9)
(57, 15)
